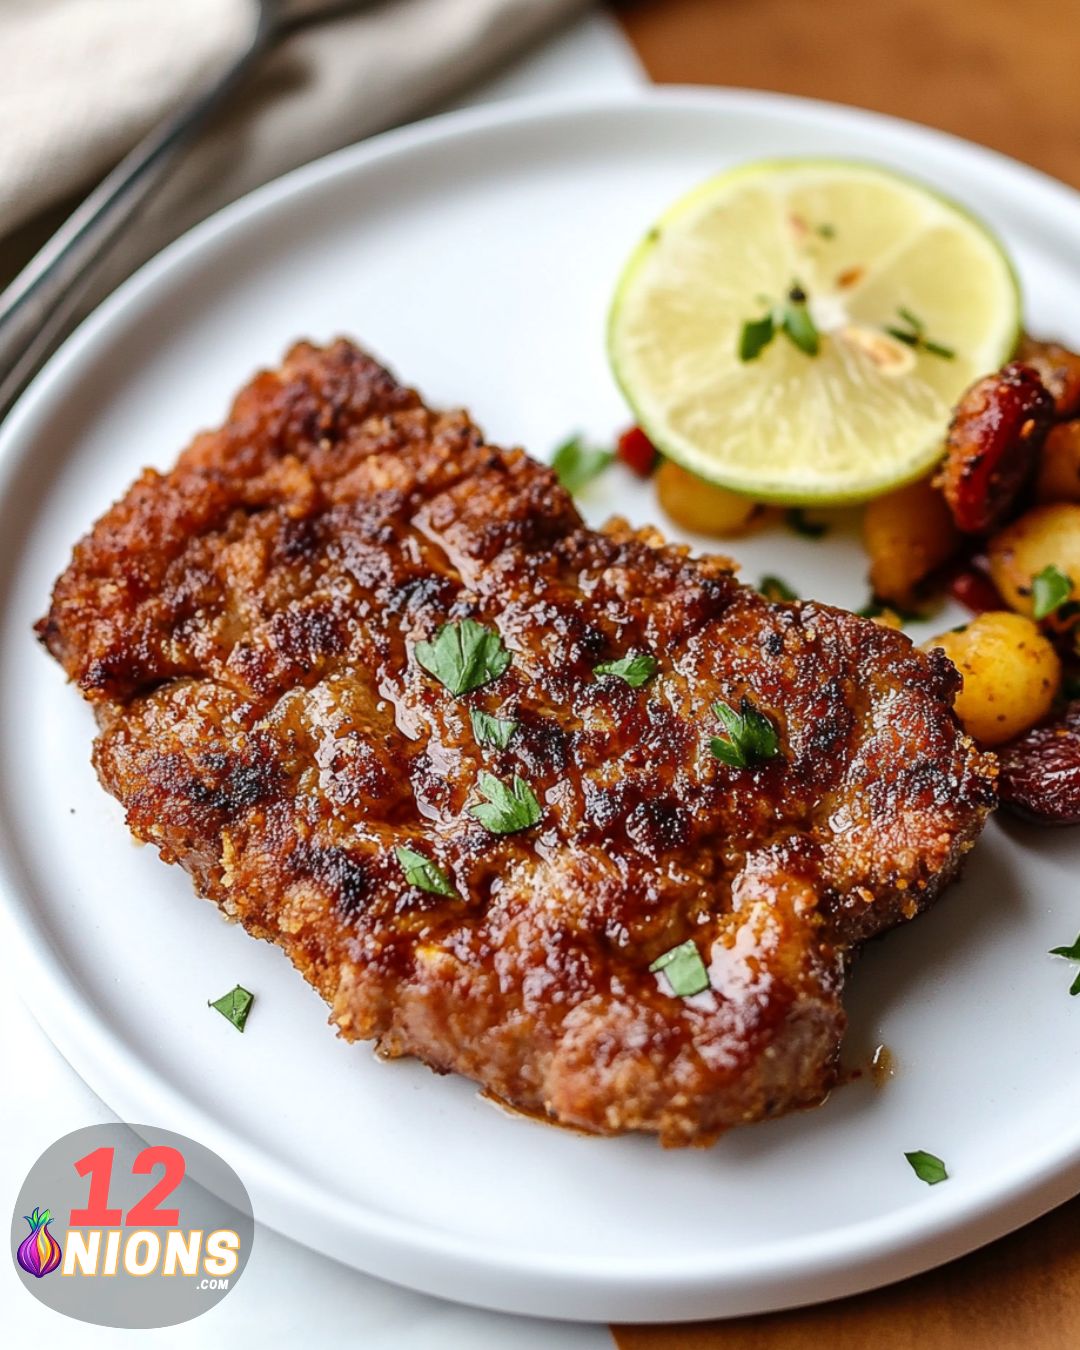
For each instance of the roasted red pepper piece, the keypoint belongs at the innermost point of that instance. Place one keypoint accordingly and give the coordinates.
(637, 452)
(975, 591)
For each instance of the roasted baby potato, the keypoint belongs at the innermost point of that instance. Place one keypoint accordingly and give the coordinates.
(993, 446)
(1058, 477)
(701, 507)
(908, 534)
(1044, 536)
(1011, 675)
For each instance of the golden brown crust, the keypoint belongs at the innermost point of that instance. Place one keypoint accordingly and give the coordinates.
(244, 626)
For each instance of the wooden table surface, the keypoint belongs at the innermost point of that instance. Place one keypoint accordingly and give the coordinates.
(1005, 73)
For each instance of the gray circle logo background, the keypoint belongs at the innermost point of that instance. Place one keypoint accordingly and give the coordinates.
(211, 1202)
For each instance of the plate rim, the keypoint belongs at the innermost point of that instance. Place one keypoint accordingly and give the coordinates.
(846, 1260)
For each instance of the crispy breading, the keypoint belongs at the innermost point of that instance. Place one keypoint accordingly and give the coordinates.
(245, 627)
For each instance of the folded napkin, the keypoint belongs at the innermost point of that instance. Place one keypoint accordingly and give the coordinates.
(82, 80)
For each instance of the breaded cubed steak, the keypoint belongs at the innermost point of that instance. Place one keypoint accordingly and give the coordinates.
(287, 640)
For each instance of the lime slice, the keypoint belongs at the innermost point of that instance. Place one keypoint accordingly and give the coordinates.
(870, 251)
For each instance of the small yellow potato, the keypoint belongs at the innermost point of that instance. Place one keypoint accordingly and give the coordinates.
(1011, 675)
(1043, 536)
(1059, 465)
(701, 507)
(908, 534)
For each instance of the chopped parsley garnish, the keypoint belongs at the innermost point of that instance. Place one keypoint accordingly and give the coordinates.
(423, 873)
(1049, 591)
(792, 318)
(776, 588)
(234, 1006)
(507, 809)
(636, 669)
(684, 968)
(798, 324)
(1070, 954)
(809, 529)
(576, 463)
(755, 336)
(826, 230)
(751, 738)
(493, 731)
(914, 335)
(926, 1167)
(464, 656)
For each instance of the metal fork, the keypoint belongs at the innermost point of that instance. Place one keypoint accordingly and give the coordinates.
(37, 306)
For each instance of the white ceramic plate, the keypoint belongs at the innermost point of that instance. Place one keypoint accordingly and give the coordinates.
(477, 253)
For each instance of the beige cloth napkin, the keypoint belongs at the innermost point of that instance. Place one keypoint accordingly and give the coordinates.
(82, 80)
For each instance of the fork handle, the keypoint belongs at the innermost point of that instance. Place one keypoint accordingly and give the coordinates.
(37, 306)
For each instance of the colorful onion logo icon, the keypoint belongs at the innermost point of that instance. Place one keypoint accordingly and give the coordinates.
(39, 1252)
